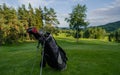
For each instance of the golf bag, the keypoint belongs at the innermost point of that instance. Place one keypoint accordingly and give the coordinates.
(54, 55)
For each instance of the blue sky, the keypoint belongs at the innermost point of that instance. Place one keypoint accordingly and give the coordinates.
(99, 12)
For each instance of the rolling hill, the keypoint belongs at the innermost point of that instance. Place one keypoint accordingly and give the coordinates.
(111, 26)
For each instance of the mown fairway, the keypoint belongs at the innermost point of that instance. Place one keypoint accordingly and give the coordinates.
(87, 57)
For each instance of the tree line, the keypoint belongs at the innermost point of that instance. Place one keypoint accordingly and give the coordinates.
(90, 33)
(14, 22)
(94, 33)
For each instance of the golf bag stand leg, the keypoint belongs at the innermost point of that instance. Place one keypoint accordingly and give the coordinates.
(43, 62)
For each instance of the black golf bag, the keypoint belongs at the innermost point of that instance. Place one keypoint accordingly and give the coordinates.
(54, 55)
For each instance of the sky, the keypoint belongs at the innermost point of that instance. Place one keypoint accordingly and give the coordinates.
(99, 12)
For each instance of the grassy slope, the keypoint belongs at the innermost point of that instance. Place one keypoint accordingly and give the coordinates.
(87, 57)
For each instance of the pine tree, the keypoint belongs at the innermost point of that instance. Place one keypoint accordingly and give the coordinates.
(10, 24)
(23, 22)
(1, 26)
(50, 20)
(31, 16)
(39, 18)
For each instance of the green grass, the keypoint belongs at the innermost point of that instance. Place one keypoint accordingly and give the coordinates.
(87, 57)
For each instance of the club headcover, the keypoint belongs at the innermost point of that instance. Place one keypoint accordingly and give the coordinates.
(34, 32)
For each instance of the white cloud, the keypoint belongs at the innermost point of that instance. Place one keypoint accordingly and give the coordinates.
(104, 20)
(111, 13)
(1, 2)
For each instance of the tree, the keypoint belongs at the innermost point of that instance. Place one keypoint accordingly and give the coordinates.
(114, 36)
(9, 24)
(50, 16)
(117, 35)
(23, 22)
(39, 17)
(1, 25)
(31, 16)
(50, 19)
(77, 18)
(110, 36)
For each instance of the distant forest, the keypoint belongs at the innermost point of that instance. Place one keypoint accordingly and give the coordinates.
(110, 27)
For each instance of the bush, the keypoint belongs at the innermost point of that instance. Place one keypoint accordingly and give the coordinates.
(95, 33)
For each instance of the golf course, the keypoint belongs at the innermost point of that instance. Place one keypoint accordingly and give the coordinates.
(38, 36)
(86, 57)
